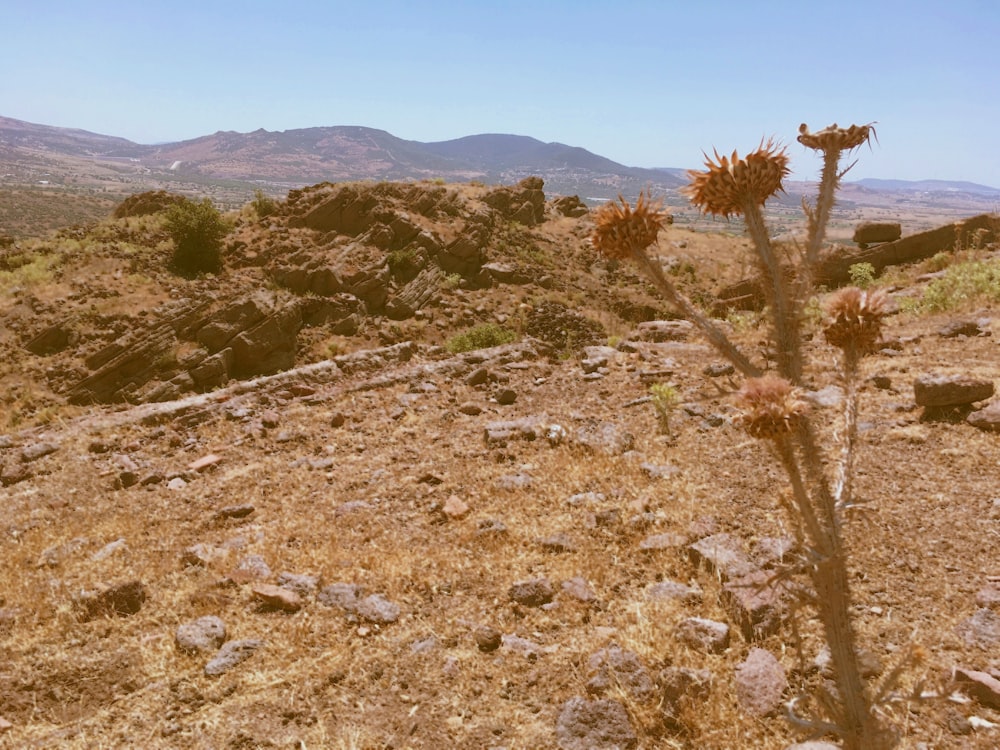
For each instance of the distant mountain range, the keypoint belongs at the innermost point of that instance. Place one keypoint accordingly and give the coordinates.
(305, 156)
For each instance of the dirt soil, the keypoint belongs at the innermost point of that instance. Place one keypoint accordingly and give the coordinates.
(423, 549)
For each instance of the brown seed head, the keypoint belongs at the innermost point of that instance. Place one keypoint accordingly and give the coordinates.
(729, 185)
(855, 319)
(772, 406)
(836, 139)
(620, 230)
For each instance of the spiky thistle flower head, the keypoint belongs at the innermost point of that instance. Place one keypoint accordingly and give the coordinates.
(855, 319)
(620, 230)
(730, 184)
(833, 138)
(772, 406)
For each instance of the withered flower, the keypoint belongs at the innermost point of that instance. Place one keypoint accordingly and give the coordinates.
(731, 185)
(620, 230)
(772, 407)
(833, 138)
(855, 319)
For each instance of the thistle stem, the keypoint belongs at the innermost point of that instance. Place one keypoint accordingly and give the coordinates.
(843, 485)
(820, 216)
(786, 321)
(712, 332)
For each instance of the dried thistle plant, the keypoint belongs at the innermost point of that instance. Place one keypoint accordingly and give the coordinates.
(773, 408)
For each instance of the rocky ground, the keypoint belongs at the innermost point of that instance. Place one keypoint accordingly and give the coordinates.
(271, 509)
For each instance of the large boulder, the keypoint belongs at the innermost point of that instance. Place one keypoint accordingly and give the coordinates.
(869, 232)
(523, 202)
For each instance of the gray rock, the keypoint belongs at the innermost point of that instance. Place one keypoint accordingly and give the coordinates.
(987, 418)
(302, 585)
(680, 684)
(614, 667)
(526, 648)
(578, 588)
(559, 542)
(108, 550)
(723, 554)
(36, 451)
(532, 593)
(594, 725)
(982, 629)
(377, 609)
(672, 590)
(518, 481)
(758, 603)
(760, 682)
(950, 390)
(487, 638)
(254, 567)
(231, 655)
(667, 540)
(957, 328)
(606, 437)
(204, 634)
(702, 634)
(340, 595)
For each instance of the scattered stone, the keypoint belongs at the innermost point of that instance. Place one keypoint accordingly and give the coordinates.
(5, 725)
(957, 328)
(202, 555)
(578, 588)
(989, 596)
(487, 639)
(270, 419)
(234, 511)
(276, 598)
(477, 377)
(586, 498)
(518, 481)
(758, 603)
(491, 527)
(559, 542)
(828, 397)
(724, 554)
(377, 609)
(303, 585)
(204, 634)
(176, 484)
(340, 595)
(659, 331)
(204, 462)
(471, 408)
(606, 437)
(594, 725)
(532, 593)
(703, 635)
(231, 655)
(882, 382)
(667, 540)
(526, 648)
(982, 629)
(30, 453)
(11, 474)
(337, 419)
(122, 599)
(672, 590)
(658, 471)
(770, 551)
(719, 369)
(506, 397)
(614, 667)
(499, 433)
(760, 682)
(455, 507)
(950, 390)
(979, 685)
(987, 419)
(108, 549)
(251, 568)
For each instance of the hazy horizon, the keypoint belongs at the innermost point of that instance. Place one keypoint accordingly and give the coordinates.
(646, 84)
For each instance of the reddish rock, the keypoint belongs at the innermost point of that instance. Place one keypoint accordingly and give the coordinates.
(723, 553)
(757, 603)
(987, 419)
(760, 682)
(532, 593)
(594, 725)
(979, 685)
(950, 390)
(275, 597)
(704, 635)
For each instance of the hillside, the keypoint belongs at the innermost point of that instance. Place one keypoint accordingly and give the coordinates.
(395, 478)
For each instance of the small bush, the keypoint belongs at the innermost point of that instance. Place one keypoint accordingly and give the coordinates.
(862, 275)
(263, 204)
(973, 282)
(197, 230)
(665, 400)
(481, 337)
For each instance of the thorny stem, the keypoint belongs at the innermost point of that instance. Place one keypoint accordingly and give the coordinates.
(785, 316)
(712, 332)
(844, 482)
(820, 216)
(817, 536)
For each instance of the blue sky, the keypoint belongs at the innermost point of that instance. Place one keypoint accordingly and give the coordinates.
(649, 84)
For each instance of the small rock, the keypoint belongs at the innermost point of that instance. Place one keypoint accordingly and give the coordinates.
(477, 377)
(982, 629)
(204, 462)
(276, 597)
(606, 437)
(987, 418)
(979, 685)
(958, 328)
(758, 603)
(703, 634)
(5, 725)
(202, 555)
(11, 474)
(681, 685)
(526, 648)
(454, 507)
(506, 397)
(760, 682)
(341, 595)
(232, 654)
(251, 568)
(518, 481)
(882, 382)
(578, 588)
(532, 593)
(107, 550)
(270, 419)
(487, 638)
(176, 484)
(659, 331)
(723, 554)
(719, 369)
(989, 596)
(614, 667)
(594, 725)
(672, 590)
(658, 471)
(121, 599)
(234, 511)
(667, 540)
(36, 451)
(302, 585)
(491, 527)
(950, 390)
(471, 408)
(813, 745)
(204, 634)
(377, 609)
(560, 542)
(337, 419)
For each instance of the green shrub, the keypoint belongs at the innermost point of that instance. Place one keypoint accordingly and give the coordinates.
(973, 282)
(263, 204)
(665, 400)
(862, 275)
(197, 230)
(481, 337)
